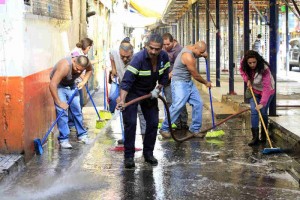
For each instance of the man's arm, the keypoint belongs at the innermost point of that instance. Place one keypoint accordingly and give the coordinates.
(121, 100)
(190, 63)
(113, 65)
(59, 74)
(88, 73)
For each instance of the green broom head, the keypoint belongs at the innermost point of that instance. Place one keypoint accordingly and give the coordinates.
(215, 141)
(100, 124)
(104, 114)
(160, 124)
(214, 134)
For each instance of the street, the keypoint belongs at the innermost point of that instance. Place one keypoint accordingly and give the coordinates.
(225, 168)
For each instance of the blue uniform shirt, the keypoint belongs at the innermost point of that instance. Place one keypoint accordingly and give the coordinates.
(139, 76)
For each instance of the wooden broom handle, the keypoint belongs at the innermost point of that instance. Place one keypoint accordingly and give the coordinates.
(261, 118)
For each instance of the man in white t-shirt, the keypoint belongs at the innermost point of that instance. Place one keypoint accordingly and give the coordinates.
(119, 61)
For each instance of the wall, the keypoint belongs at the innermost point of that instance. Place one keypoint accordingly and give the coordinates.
(29, 47)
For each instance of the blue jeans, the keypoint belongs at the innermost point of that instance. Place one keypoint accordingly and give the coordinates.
(263, 111)
(185, 92)
(70, 114)
(183, 117)
(64, 93)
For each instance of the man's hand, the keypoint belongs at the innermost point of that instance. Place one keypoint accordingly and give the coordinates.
(204, 55)
(120, 105)
(63, 105)
(155, 93)
(208, 84)
(113, 73)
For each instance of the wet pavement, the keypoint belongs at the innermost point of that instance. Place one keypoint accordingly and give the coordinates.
(224, 168)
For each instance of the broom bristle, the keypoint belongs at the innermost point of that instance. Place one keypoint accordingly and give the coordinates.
(173, 125)
(272, 150)
(213, 134)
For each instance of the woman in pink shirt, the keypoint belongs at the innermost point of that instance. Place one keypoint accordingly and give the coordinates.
(256, 73)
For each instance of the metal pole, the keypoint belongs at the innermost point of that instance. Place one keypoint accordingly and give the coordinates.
(230, 47)
(194, 23)
(287, 39)
(246, 36)
(273, 46)
(218, 34)
(197, 28)
(207, 35)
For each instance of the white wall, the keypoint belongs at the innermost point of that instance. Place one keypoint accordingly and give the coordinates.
(31, 43)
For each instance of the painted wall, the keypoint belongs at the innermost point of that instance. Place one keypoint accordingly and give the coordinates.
(30, 45)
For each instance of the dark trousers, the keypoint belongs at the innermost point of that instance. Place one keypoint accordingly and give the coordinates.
(150, 111)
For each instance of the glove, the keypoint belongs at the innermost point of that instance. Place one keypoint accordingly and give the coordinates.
(154, 93)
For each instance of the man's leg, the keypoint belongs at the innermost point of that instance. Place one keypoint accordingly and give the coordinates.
(180, 96)
(75, 108)
(129, 119)
(62, 122)
(197, 106)
(150, 111)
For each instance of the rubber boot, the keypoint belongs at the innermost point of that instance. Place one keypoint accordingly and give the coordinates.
(263, 133)
(255, 137)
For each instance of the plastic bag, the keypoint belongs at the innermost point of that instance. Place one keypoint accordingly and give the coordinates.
(113, 95)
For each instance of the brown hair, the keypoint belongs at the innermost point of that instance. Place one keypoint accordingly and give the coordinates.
(84, 43)
(168, 36)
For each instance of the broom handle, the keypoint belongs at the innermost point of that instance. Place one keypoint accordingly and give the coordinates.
(122, 126)
(210, 97)
(60, 114)
(104, 103)
(87, 89)
(261, 118)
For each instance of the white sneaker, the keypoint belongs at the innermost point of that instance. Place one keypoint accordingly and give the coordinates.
(65, 145)
(83, 139)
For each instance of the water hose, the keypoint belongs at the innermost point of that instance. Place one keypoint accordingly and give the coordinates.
(169, 117)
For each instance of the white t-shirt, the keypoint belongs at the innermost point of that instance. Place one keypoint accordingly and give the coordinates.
(120, 66)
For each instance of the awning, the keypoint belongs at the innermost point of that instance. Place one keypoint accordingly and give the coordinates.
(149, 8)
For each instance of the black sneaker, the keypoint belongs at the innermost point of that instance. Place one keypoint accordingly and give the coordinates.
(129, 162)
(150, 159)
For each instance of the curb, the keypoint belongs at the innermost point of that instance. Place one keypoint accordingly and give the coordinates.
(10, 164)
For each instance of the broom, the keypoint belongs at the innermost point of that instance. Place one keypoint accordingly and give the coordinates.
(266, 150)
(211, 133)
(100, 123)
(105, 114)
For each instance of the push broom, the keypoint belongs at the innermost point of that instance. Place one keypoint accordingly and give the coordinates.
(266, 150)
(105, 114)
(100, 123)
(38, 144)
(213, 133)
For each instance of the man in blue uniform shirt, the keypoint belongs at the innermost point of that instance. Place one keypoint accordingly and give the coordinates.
(146, 68)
